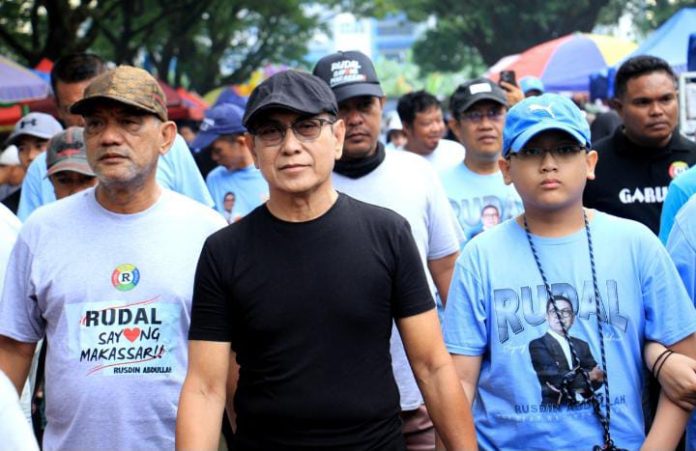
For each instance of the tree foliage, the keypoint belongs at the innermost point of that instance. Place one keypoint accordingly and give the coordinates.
(496, 29)
(204, 42)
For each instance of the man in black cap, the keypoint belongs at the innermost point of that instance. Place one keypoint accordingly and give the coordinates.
(475, 185)
(308, 319)
(403, 182)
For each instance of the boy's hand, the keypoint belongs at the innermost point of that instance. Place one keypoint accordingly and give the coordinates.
(678, 380)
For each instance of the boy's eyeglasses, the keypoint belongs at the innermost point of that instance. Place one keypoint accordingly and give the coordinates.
(477, 116)
(305, 130)
(562, 151)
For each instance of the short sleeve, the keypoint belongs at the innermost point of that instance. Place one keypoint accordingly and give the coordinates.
(465, 325)
(20, 315)
(410, 291)
(210, 309)
(669, 313)
(675, 199)
(683, 254)
(444, 232)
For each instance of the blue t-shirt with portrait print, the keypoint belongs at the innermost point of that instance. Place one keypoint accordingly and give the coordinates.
(474, 195)
(248, 185)
(496, 309)
(681, 245)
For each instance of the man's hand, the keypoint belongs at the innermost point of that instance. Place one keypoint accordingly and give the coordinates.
(596, 375)
(514, 94)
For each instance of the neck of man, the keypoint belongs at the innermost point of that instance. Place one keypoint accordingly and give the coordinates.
(555, 223)
(640, 141)
(420, 150)
(292, 207)
(128, 198)
(480, 165)
(240, 166)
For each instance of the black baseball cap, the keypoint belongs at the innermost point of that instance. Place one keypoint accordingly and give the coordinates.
(349, 74)
(474, 91)
(292, 90)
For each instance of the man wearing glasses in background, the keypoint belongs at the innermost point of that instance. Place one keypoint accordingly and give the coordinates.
(478, 114)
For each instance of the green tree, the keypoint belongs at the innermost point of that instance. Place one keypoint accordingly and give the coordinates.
(206, 42)
(32, 30)
(496, 29)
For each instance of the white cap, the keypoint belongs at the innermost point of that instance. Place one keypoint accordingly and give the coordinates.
(393, 122)
(10, 156)
(39, 125)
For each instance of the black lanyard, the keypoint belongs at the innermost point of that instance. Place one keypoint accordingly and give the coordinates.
(565, 388)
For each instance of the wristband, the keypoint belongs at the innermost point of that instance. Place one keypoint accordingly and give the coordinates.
(662, 354)
(662, 364)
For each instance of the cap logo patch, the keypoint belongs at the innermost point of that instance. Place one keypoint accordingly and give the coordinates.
(346, 71)
(479, 88)
(27, 122)
(547, 108)
(207, 124)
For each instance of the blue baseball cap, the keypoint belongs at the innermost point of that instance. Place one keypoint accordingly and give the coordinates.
(529, 83)
(222, 119)
(534, 115)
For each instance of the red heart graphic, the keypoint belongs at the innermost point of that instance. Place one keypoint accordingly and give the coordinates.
(131, 334)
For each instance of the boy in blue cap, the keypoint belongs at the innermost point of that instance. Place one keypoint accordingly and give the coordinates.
(615, 275)
(223, 134)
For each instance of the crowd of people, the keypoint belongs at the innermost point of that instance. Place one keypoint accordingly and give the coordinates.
(306, 271)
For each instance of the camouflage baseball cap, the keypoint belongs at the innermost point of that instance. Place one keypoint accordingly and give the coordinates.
(125, 84)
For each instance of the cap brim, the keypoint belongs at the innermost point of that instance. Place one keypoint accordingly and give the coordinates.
(75, 166)
(13, 138)
(276, 106)
(203, 140)
(357, 90)
(534, 130)
(85, 105)
(482, 96)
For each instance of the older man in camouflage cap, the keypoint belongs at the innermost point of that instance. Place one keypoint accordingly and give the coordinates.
(98, 275)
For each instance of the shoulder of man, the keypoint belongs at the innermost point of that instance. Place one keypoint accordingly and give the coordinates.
(410, 161)
(371, 211)
(191, 209)
(608, 142)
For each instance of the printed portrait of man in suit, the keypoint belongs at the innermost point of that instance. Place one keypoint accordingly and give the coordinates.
(553, 360)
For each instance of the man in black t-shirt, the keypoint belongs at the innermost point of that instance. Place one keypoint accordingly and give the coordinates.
(639, 160)
(302, 293)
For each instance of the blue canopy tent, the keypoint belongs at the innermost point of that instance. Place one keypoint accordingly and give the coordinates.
(671, 41)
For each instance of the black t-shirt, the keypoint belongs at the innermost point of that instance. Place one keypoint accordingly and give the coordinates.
(308, 309)
(631, 180)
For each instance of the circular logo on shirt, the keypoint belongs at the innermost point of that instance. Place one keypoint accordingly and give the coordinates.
(677, 168)
(125, 277)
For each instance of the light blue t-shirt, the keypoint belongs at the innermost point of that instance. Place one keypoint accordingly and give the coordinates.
(681, 245)
(497, 306)
(176, 170)
(248, 185)
(479, 201)
(112, 294)
(678, 193)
